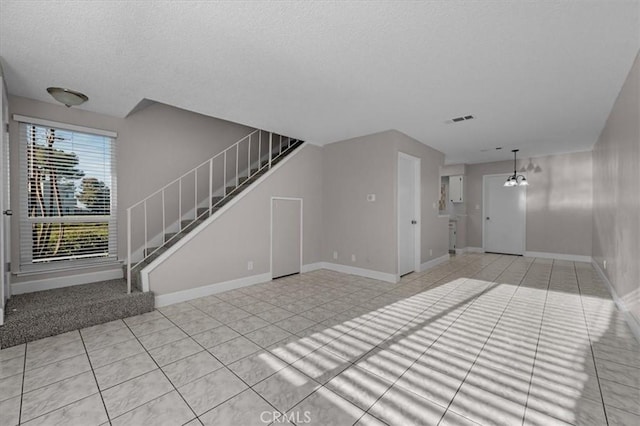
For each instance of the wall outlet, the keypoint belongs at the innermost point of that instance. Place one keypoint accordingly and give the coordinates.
(604, 264)
(430, 252)
(250, 265)
(353, 257)
(335, 255)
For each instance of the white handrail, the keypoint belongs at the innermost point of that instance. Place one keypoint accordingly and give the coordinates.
(147, 248)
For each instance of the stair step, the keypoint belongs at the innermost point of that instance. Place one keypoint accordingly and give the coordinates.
(230, 188)
(33, 316)
(190, 223)
(168, 238)
(216, 200)
(202, 211)
(153, 249)
(224, 201)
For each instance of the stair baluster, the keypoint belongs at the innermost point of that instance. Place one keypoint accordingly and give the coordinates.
(219, 193)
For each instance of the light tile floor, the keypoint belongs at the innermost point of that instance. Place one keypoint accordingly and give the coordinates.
(481, 339)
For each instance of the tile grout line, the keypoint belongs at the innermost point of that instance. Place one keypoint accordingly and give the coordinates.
(163, 373)
(401, 291)
(127, 325)
(66, 378)
(485, 342)
(535, 355)
(438, 338)
(365, 412)
(223, 366)
(24, 372)
(86, 353)
(287, 363)
(593, 357)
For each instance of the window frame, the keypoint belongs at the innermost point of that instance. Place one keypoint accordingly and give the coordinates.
(26, 264)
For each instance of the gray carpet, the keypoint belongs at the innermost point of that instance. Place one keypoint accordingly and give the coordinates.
(32, 316)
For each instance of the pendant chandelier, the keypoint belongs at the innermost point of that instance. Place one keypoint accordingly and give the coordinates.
(515, 179)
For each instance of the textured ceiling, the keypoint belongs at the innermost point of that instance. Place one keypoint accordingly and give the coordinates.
(541, 76)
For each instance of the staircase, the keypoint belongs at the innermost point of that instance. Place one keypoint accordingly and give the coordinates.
(163, 218)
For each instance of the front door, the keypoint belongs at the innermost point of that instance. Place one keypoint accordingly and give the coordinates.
(504, 216)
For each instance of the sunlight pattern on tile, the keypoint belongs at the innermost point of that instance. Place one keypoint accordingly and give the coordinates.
(480, 339)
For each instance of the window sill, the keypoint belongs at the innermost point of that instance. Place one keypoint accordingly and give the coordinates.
(80, 265)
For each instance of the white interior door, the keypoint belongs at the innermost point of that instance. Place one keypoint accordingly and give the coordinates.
(504, 216)
(408, 214)
(5, 223)
(286, 236)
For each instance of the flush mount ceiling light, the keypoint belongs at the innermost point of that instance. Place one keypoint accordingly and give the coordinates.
(67, 96)
(515, 179)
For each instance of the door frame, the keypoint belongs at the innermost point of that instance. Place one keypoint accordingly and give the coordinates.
(271, 230)
(484, 215)
(417, 169)
(5, 246)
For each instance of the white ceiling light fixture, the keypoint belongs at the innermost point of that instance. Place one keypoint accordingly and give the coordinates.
(67, 96)
(515, 179)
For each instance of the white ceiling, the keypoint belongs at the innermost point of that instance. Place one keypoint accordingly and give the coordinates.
(541, 76)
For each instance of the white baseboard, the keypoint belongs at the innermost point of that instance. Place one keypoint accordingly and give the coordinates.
(558, 256)
(433, 262)
(632, 321)
(312, 267)
(361, 272)
(1, 316)
(66, 281)
(474, 250)
(461, 250)
(207, 290)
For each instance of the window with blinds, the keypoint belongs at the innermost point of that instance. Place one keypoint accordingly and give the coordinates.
(67, 197)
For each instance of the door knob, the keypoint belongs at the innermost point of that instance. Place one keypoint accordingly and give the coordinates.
(8, 212)
(487, 217)
(413, 222)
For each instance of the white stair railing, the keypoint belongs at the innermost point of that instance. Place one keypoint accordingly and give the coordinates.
(196, 193)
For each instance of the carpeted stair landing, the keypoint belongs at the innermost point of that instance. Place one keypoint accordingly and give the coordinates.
(32, 316)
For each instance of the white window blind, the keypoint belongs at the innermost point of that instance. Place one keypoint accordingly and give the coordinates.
(67, 197)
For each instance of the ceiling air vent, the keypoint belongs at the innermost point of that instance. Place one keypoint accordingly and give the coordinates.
(462, 118)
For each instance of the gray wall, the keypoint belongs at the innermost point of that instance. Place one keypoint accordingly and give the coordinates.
(154, 146)
(616, 195)
(434, 229)
(221, 251)
(333, 182)
(353, 225)
(559, 202)
(368, 230)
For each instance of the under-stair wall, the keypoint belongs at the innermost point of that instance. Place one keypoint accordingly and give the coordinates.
(221, 251)
(199, 201)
